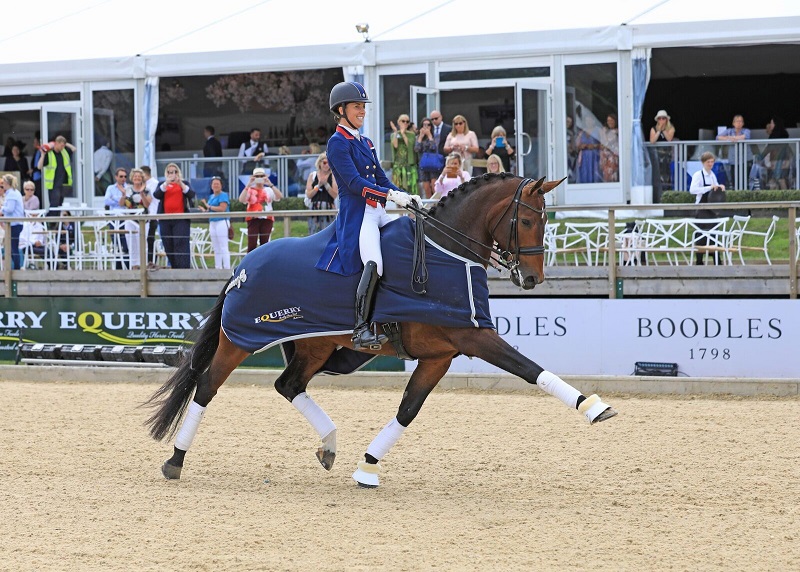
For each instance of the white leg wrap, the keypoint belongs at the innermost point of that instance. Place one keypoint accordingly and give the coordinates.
(557, 387)
(386, 439)
(194, 415)
(319, 420)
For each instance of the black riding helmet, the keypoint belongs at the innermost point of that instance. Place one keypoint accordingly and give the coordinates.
(347, 92)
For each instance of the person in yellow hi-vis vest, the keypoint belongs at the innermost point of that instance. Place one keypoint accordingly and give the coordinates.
(56, 168)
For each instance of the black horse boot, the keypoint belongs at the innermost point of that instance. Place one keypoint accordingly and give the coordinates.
(363, 336)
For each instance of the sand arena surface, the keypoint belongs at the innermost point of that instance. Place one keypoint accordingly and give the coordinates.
(480, 481)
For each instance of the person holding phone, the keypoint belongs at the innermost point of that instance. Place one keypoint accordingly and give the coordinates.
(175, 196)
(258, 195)
(452, 176)
(500, 147)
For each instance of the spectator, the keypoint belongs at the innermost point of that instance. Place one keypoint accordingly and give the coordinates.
(33, 237)
(258, 195)
(500, 146)
(18, 162)
(778, 156)
(175, 196)
(494, 164)
(218, 226)
(56, 167)
(462, 141)
(440, 131)
(253, 149)
(152, 209)
(572, 151)
(36, 172)
(588, 144)
(306, 165)
(451, 177)
(30, 201)
(321, 193)
(12, 207)
(139, 198)
(66, 239)
(211, 148)
(704, 182)
(736, 133)
(609, 153)
(102, 166)
(115, 200)
(404, 160)
(663, 130)
(429, 157)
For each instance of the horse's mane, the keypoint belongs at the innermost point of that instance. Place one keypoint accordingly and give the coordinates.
(465, 189)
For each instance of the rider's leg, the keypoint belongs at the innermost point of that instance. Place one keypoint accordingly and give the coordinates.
(369, 241)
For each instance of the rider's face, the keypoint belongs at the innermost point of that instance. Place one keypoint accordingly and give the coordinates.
(355, 112)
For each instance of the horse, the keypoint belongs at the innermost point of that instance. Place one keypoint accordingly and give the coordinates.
(492, 219)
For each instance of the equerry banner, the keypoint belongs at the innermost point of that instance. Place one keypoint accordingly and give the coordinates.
(717, 338)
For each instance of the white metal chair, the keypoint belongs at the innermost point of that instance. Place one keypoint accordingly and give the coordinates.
(762, 238)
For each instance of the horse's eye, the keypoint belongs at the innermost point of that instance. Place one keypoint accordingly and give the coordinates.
(526, 222)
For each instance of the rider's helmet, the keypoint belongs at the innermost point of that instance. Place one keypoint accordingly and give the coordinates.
(347, 92)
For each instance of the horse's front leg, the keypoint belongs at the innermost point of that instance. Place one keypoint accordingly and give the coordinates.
(490, 347)
(310, 355)
(423, 380)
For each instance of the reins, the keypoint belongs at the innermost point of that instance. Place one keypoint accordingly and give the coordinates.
(506, 258)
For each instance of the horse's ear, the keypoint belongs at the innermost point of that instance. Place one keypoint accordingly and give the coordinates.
(550, 185)
(537, 186)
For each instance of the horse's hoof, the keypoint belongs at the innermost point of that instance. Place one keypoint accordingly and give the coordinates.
(170, 472)
(608, 413)
(326, 458)
(366, 475)
(595, 410)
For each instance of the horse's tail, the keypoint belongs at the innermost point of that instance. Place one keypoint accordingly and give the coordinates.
(171, 399)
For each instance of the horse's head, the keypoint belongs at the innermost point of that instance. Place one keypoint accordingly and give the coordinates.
(520, 232)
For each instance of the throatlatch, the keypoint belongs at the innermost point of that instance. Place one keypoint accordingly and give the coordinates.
(365, 337)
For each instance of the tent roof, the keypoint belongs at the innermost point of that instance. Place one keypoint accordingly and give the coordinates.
(106, 39)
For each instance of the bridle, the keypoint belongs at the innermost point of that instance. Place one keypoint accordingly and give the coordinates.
(508, 258)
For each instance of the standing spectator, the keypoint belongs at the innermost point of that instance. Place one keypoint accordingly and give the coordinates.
(494, 164)
(56, 167)
(18, 162)
(152, 209)
(572, 151)
(30, 201)
(211, 148)
(102, 166)
(609, 153)
(663, 130)
(36, 171)
(254, 150)
(452, 176)
(500, 146)
(778, 157)
(462, 141)
(175, 197)
(259, 198)
(428, 153)
(115, 200)
(404, 160)
(138, 198)
(660, 158)
(321, 193)
(588, 144)
(12, 207)
(440, 131)
(218, 226)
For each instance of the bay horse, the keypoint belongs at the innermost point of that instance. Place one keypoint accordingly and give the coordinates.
(493, 209)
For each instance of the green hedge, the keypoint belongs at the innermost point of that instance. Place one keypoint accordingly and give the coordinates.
(685, 197)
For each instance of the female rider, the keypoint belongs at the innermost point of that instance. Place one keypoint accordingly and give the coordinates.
(363, 192)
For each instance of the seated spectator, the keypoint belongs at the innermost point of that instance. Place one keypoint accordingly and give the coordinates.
(500, 146)
(773, 167)
(494, 164)
(29, 200)
(736, 133)
(33, 237)
(452, 176)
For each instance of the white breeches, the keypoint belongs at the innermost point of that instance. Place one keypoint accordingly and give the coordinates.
(369, 239)
(218, 230)
(132, 237)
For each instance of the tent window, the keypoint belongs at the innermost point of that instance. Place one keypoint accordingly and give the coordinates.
(470, 75)
(40, 97)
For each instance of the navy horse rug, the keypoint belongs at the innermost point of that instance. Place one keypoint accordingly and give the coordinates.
(276, 294)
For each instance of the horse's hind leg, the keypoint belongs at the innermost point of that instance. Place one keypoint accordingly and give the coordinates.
(310, 355)
(226, 359)
(423, 380)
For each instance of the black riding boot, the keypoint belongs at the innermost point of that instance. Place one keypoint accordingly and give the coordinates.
(363, 336)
